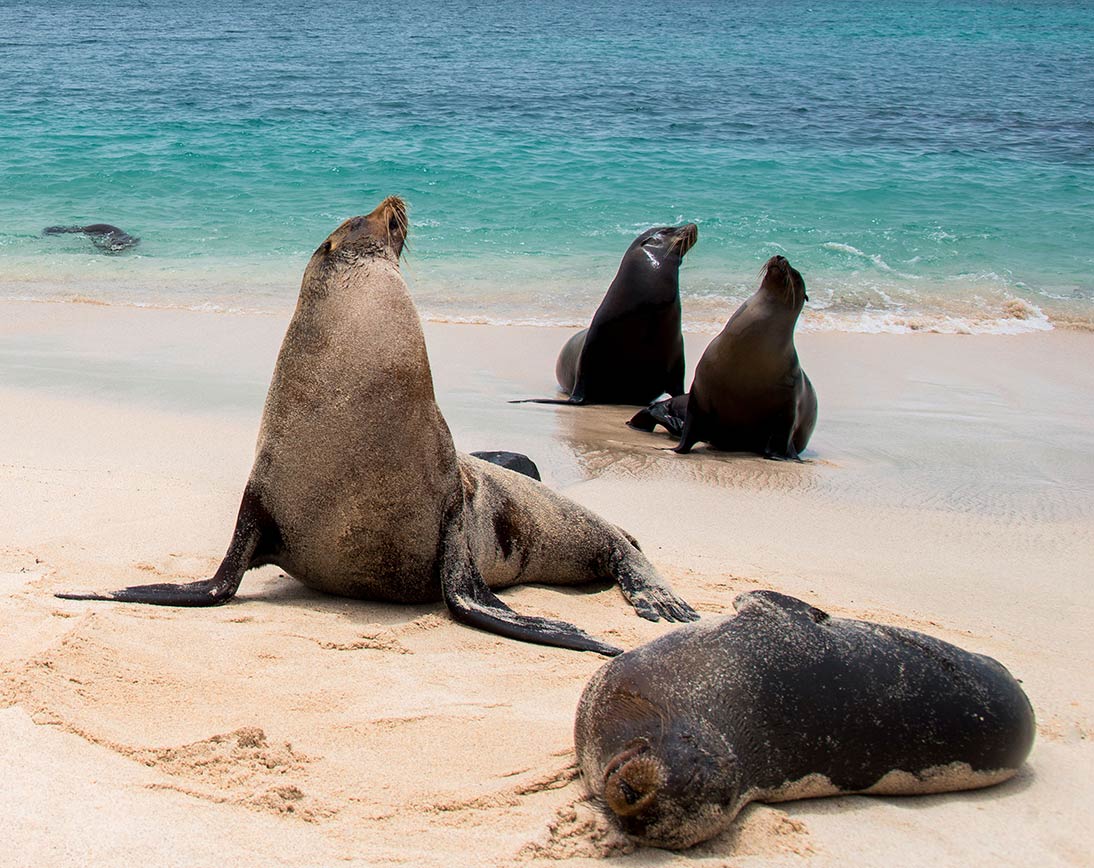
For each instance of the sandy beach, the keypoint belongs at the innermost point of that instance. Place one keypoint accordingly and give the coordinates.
(948, 488)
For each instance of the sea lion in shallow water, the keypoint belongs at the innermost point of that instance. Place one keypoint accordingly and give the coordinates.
(107, 238)
(782, 701)
(633, 351)
(749, 393)
(366, 496)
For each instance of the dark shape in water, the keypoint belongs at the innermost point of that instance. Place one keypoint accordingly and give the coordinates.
(109, 239)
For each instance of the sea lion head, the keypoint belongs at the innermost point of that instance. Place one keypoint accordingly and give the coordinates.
(780, 280)
(665, 243)
(674, 787)
(381, 234)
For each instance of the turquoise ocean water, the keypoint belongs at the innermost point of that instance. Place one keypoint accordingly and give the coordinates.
(926, 165)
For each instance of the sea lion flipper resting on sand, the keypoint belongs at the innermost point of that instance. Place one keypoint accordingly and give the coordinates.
(255, 535)
(633, 350)
(332, 504)
(471, 602)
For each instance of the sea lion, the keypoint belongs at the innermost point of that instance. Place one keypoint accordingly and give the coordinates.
(516, 461)
(749, 393)
(633, 351)
(782, 701)
(107, 238)
(357, 489)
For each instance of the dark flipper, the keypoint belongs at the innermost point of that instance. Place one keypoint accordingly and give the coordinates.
(571, 401)
(515, 461)
(651, 597)
(471, 602)
(671, 413)
(252, 525)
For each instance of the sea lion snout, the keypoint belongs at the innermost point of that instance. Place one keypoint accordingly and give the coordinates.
(632, 779)
(386, 226)
(779, 274)
(686, 236)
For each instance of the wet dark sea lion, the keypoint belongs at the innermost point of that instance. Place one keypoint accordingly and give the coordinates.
(749, 393)
(368, 498)
(107, 238)
(782, 701)
(633, 351)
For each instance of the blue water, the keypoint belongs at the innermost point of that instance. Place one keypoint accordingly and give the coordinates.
(924, 164)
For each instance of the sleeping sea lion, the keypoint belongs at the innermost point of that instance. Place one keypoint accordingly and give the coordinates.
(633, 351)
(749, 393)
(781, 702)
(107, 238)
(357, 489)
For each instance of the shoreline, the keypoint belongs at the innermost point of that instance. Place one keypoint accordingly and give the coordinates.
(947, 488)
(475, 294)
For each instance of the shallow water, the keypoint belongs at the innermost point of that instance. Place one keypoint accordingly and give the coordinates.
(925, 167)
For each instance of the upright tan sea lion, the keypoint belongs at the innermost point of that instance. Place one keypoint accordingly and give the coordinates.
(784, 702)
(358, 490)
(633, 351)
(749, 393)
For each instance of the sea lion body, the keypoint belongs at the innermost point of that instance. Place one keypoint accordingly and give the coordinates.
(107, 238)
(357, 488)
(633, 350)
(782, 701)
(750, 393)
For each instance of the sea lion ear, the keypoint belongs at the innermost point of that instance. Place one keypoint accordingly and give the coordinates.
(758, 602)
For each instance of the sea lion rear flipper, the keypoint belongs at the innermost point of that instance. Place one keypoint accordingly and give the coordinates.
(545, 401)
(252, 524)
(471, 602)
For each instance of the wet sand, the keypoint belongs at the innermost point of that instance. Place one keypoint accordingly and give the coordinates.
(948, 488)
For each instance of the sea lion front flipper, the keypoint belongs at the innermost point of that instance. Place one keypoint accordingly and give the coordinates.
(471, 602)
(651, 597)
(253, 527)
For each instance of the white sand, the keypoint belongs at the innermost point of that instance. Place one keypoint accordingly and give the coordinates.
(949, 488)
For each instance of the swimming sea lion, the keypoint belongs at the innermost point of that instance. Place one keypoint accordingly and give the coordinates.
(108, 238)
(633, 351)
(781, 702)
(511, 461)
(749, 393)
(357, 489)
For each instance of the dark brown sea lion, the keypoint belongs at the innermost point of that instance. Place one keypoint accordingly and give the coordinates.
(107, 238)
(784, 702)
(633, 351)
(368, 498)
(749, 393)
